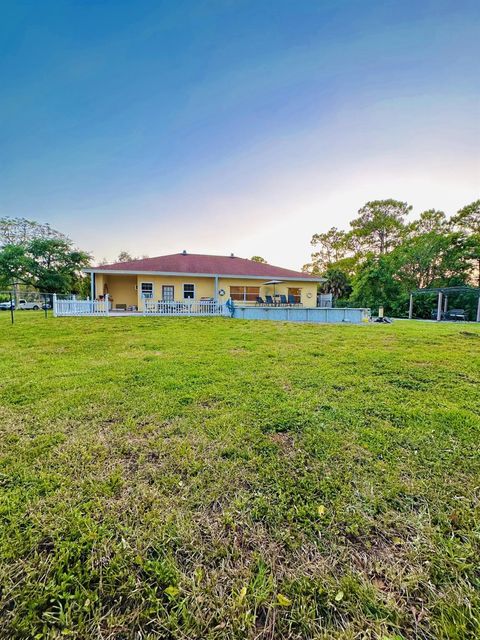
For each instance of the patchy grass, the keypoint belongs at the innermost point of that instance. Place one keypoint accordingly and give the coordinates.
(211, 478)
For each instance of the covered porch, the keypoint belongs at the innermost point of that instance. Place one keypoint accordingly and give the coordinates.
(130, 293)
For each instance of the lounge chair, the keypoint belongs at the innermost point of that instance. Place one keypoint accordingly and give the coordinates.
(260, 300)
(269, 300)
(283, 299)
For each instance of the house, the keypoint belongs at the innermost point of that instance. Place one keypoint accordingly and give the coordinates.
(190, 276)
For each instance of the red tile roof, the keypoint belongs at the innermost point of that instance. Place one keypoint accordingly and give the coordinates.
(190, 263)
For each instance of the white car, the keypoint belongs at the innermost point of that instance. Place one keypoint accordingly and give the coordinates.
(34, 306)
(6, 306)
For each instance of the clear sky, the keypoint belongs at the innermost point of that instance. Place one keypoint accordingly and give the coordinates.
(233, 125)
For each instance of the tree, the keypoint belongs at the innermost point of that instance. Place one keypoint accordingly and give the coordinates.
(467, 221)
(55, 265)
(20, 231)
(430, 220)
(376, 285)
(14, 266)
(330, 247)
(258, 259)
(380, 225)
(124, 256)
(337, 283)
(48, 264)
(432, 260)
(468, 218)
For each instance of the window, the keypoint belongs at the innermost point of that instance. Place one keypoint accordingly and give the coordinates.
(296, 293)
(168, 292)
(244, 294)
(147, 289)
(189, 291)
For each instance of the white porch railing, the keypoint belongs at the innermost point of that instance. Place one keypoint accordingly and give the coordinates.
(187, 308)
(74, 307)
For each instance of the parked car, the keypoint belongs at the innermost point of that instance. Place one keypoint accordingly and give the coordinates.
(6, 306)
(35, 305)
(458, 315)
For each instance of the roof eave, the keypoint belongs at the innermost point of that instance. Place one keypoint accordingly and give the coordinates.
(127, 272)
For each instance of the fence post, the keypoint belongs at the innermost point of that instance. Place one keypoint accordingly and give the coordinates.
(478, 310)
(54, 305)
(410, 307)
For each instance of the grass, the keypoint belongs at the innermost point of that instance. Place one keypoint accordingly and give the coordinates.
(223, 479)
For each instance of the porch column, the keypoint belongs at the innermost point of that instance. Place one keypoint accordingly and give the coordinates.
(439, 306)
(92, 285)
(410, 307)
(216, 289)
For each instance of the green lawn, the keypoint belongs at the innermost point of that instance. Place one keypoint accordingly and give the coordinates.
(213, 478)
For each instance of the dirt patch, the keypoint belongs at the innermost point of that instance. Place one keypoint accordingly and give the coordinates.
(285, 442)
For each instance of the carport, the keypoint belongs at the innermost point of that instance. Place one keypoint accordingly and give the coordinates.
(442, 298)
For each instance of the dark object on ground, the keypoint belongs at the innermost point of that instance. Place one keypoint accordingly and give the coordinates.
(384, 320)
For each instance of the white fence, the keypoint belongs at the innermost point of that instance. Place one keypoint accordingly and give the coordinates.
(187, 308)
(73, 307)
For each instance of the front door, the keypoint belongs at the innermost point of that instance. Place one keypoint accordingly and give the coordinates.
(168, 293)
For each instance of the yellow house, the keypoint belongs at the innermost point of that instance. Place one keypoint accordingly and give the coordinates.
(188, 277)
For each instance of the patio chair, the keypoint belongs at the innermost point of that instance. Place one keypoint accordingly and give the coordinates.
(291, 301)
(283, 299)
(260, 300)
(269, 300)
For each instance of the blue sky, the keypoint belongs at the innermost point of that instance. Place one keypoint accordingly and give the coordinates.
(245, 126)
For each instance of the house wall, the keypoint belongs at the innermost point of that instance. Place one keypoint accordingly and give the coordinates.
(122, 290)
(204, 287)
(126, 289)
(99, 285)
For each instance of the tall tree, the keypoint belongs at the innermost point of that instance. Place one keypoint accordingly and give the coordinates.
(258, 259)
(330, 247)
(48, 264)
(124, 256)
(432, 259)
(380, 225)
(430, 220)
(20, 231)
(467, 220)
(14, 267)
(55, 265)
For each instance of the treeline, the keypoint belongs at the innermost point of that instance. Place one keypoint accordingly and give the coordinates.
(376, 262)
(383, 256)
